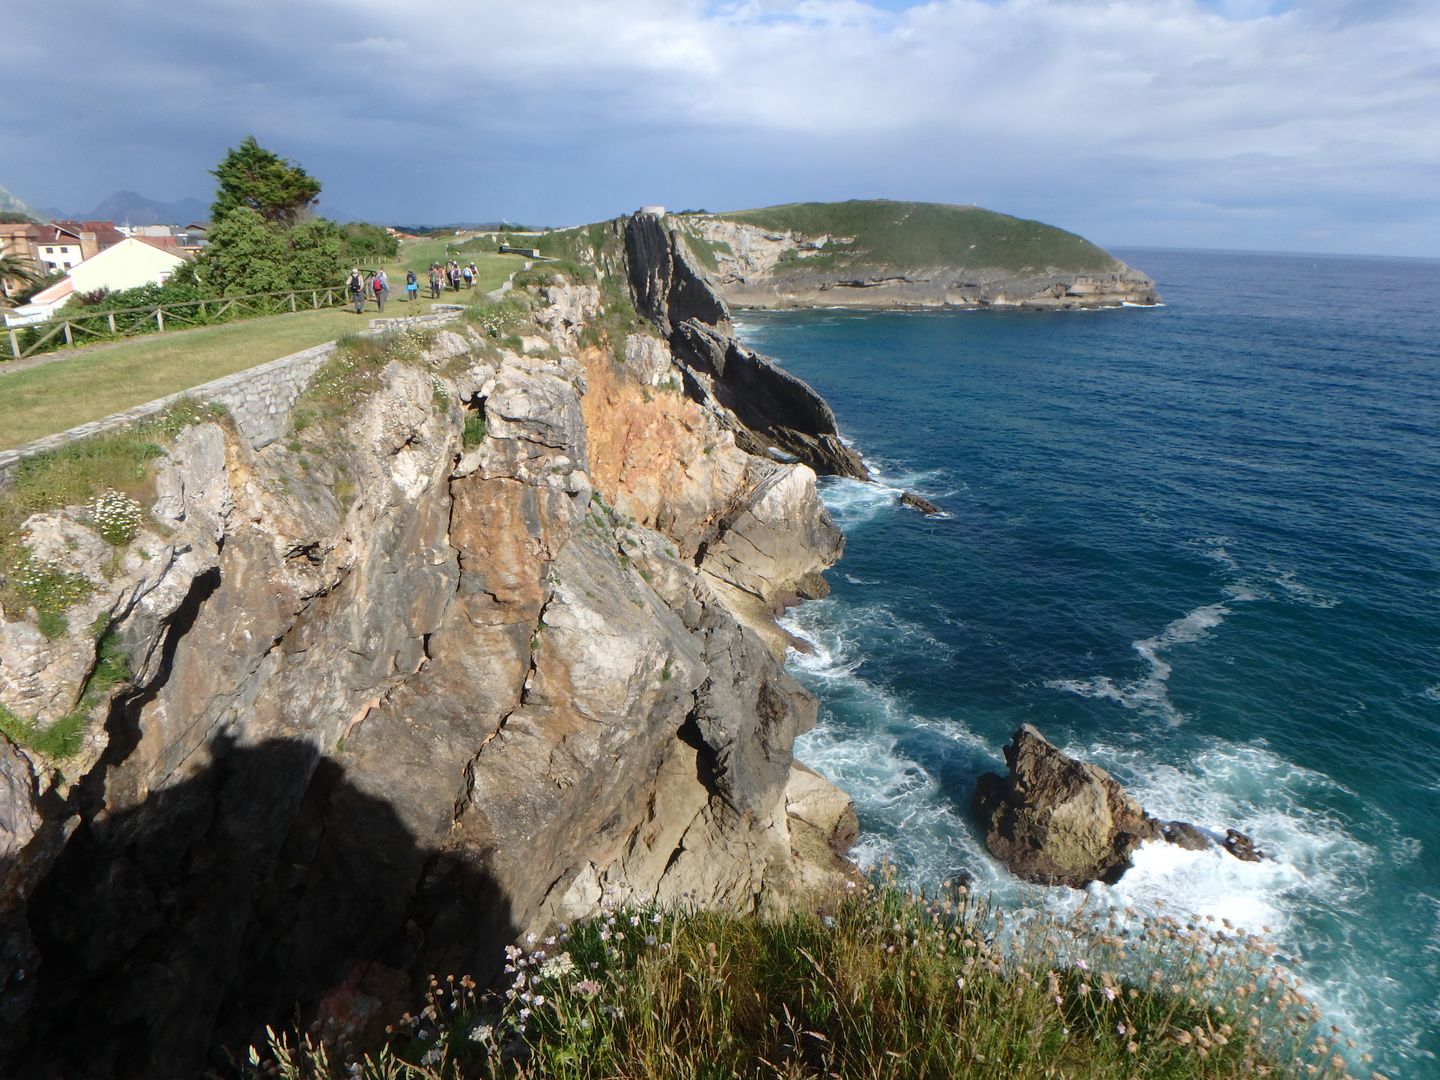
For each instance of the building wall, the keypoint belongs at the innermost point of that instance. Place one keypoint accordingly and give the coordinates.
(128, 264)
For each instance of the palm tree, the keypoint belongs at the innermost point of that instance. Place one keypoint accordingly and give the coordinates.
(17, 270)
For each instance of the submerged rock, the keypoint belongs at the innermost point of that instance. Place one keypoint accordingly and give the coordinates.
(925, 506)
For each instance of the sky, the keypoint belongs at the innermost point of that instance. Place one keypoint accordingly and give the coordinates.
(1295, 125)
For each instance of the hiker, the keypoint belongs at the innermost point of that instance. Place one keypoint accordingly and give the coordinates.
(434, 281)
(468, 277)
(357, 290)
(475, 274)
(454, 275)
(382, 289)
(412, 287)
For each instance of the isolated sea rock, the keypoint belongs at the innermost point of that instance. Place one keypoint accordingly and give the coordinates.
(1057, 821)
(925, 506)
(1054, 820)
(1241, 846)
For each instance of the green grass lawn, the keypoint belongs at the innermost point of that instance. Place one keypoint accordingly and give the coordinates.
(913, 234)
(59, 395)
(417, 255)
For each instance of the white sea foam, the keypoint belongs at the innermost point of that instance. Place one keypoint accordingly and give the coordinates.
(855, 502)
(1299, 591)
(1149, 693)
(1431, 693)
(1315, 873)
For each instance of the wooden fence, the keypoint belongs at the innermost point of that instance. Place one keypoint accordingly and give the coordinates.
(131, 322)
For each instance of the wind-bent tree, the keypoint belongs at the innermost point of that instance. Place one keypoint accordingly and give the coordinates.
(261, 238)
(276, 188)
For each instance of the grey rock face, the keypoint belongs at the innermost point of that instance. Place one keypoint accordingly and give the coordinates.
(379, 729)
(771, 411)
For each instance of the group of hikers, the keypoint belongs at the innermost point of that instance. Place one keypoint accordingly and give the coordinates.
(367, 285)
(453, 276)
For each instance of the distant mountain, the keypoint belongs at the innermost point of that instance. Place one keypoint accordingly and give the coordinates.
(131, 208)
(9, 204)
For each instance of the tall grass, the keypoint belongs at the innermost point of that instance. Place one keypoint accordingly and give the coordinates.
(875, 983)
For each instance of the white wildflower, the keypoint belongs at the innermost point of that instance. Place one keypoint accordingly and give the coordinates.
(556, 966)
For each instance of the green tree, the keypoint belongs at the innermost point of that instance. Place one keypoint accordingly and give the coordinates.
(361, 241)
(276, 188)
(315, 254)
(20, 273)
(246, 254)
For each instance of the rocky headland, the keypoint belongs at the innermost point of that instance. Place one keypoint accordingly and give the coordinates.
(486, 638)
(885, 254)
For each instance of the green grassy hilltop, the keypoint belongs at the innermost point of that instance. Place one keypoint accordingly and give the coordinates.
(883, 232)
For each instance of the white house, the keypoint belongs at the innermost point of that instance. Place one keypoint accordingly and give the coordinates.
(127, 264)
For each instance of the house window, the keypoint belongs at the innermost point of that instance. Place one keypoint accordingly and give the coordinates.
(49, 251)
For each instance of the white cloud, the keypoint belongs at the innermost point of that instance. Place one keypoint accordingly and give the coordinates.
(1240, 122)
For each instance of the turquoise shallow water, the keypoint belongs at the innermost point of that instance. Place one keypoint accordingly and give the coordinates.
(1196, 544)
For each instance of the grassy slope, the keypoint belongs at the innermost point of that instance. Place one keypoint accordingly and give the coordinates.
(417, 255)
(60, 395)
(912, 235)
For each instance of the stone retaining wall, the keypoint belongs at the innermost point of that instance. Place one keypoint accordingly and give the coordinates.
(259, 399)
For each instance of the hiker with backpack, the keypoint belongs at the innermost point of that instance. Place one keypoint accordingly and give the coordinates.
(465, 270)
(412, 287)
(382, 289)
(357, 290)
(434, 281)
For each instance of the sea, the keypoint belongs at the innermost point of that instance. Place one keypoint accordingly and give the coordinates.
(1197, 544)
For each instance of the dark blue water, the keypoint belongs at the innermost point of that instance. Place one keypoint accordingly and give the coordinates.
(1196, 544)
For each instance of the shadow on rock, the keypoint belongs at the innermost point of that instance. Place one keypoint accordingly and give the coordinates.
(263, 888)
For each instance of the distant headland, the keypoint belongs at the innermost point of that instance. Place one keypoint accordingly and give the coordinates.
(879, 253)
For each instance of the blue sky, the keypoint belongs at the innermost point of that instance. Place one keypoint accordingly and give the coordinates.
(1304, 125)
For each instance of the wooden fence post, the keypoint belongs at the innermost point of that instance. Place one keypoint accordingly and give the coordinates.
(14, 345)
(160, 318)
(69, 338)
(112, 322)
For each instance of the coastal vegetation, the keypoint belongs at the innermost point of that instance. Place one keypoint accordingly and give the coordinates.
(867, 233)
(872, 981)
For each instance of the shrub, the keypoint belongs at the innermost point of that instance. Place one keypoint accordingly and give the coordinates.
(116, 517)
(474, 433)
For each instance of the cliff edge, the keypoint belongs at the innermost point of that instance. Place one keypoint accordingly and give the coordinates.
(486, 638)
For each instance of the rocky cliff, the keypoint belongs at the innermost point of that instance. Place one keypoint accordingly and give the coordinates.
(883, 254)
(487, 638)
